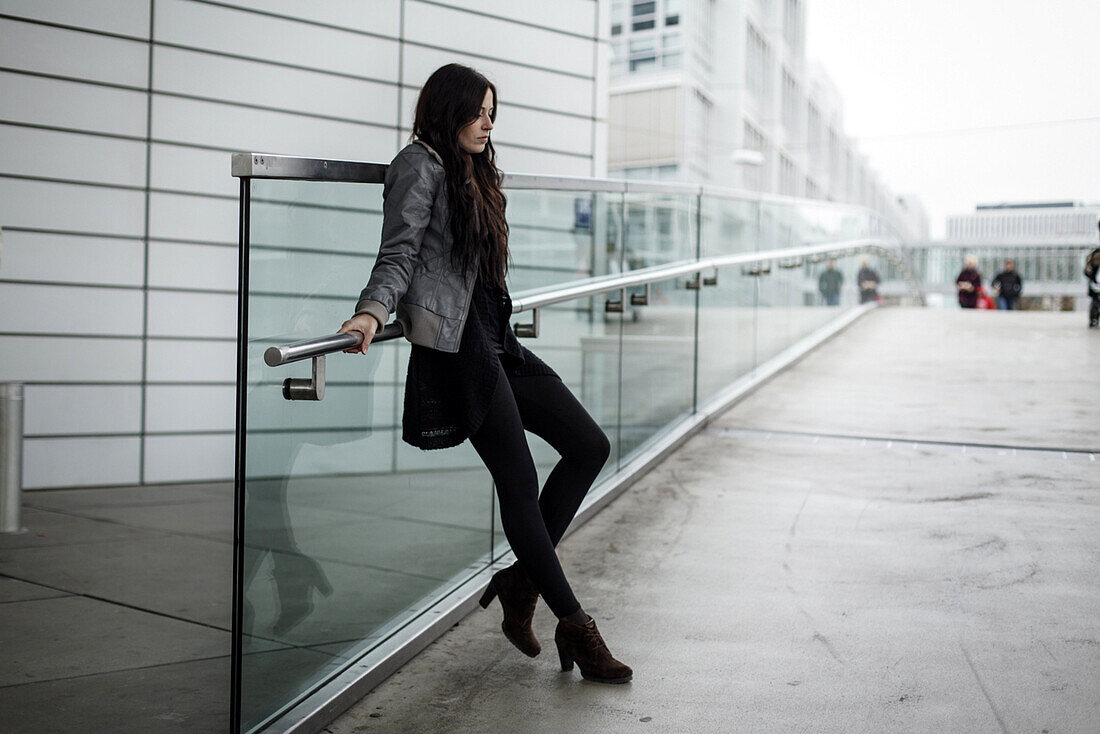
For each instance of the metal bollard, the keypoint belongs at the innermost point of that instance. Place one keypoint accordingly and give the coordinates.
(11, 457)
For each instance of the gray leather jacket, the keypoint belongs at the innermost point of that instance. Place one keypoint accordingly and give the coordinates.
(413, 274)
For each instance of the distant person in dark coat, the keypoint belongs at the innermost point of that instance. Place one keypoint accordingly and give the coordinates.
(1008, 286)
(1092, 269)
(868, 282)
(829, 284)
(969, 283)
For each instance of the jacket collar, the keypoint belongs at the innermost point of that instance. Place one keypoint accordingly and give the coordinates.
(430, 149)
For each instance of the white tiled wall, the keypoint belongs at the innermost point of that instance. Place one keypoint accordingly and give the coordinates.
(118, 283)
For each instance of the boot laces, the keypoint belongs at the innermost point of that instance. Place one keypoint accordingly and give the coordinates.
(593, 640)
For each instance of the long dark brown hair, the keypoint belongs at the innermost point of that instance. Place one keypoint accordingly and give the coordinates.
(450, 100)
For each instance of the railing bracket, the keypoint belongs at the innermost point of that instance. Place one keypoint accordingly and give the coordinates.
(757, 269)
(711, 280)
(693, 284)
(531, 330)
(302, 388)
(640, 299)
(615, 306)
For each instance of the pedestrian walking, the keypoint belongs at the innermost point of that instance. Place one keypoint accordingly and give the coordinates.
(1008, 286)
(969, 283)
(829, 283)
(1092, 269)
(868, 281)
(441, 267)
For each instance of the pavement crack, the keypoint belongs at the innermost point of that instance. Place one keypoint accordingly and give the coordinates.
(981, 686)
(859, 518)
(961, 497)
(829, 646)
(794, 523)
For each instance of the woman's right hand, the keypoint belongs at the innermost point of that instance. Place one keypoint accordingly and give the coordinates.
(360, 323)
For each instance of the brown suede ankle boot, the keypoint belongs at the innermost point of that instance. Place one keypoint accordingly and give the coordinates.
(582, 643)
(518, 597)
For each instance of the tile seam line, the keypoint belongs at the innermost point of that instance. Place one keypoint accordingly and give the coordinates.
(506, 19)
(115, 602)
(68, 27)
(169, 44)
(396, 85)
(115, 671)
(715, 430)
(288, 18)
(360, 32)
(208, 148)
(213, 538)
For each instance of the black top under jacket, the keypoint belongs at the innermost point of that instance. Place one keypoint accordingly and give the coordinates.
(447, 395)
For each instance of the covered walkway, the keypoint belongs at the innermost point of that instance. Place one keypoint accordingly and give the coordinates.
(900, 533)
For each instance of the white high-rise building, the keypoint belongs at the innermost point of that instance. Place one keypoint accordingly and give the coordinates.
(719, 91)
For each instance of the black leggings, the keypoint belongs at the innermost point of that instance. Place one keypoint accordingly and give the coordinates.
(533, 525)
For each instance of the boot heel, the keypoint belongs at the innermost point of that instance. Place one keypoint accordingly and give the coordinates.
(488, 596)
(566, 660)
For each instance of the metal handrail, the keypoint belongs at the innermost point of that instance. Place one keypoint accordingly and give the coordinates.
(533, 299)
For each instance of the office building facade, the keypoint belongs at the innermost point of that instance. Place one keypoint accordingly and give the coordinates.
(720, 91)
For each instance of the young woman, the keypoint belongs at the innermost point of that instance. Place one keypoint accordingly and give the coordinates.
(441, 267)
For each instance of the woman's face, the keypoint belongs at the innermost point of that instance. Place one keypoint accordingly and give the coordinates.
(474, 136)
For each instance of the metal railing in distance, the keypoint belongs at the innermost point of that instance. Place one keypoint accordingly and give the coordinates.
(651, 301)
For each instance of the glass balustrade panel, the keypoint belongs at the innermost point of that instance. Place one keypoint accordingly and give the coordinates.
(772, 313)
(556, 237)
(658, 344)
(728, 226)
(348, 530)
(726, 325)
(578, 339)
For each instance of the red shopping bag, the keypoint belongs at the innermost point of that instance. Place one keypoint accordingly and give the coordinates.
(984, 301)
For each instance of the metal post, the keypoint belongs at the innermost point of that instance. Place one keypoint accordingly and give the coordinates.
(11, 457)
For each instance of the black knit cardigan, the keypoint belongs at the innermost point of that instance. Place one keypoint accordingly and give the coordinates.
(447, 395)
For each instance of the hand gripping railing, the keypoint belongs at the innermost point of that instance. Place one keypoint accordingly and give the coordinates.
(752, 264)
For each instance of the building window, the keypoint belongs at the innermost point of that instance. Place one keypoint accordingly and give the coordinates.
(834, 159)
(703, 32)
(671, 51)
(672, 12)
(618, 16)
(644, 15)
(649, 173)
(788, 177)
(700, 133)
(618, 57)
(643, 53)
(755, 177)
(757, 63)
(792, 106)
(815, 135)
(792, 26)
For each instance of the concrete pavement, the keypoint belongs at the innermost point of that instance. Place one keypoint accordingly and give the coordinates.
(887, 537)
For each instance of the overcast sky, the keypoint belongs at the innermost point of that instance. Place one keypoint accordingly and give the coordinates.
(948, 97)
